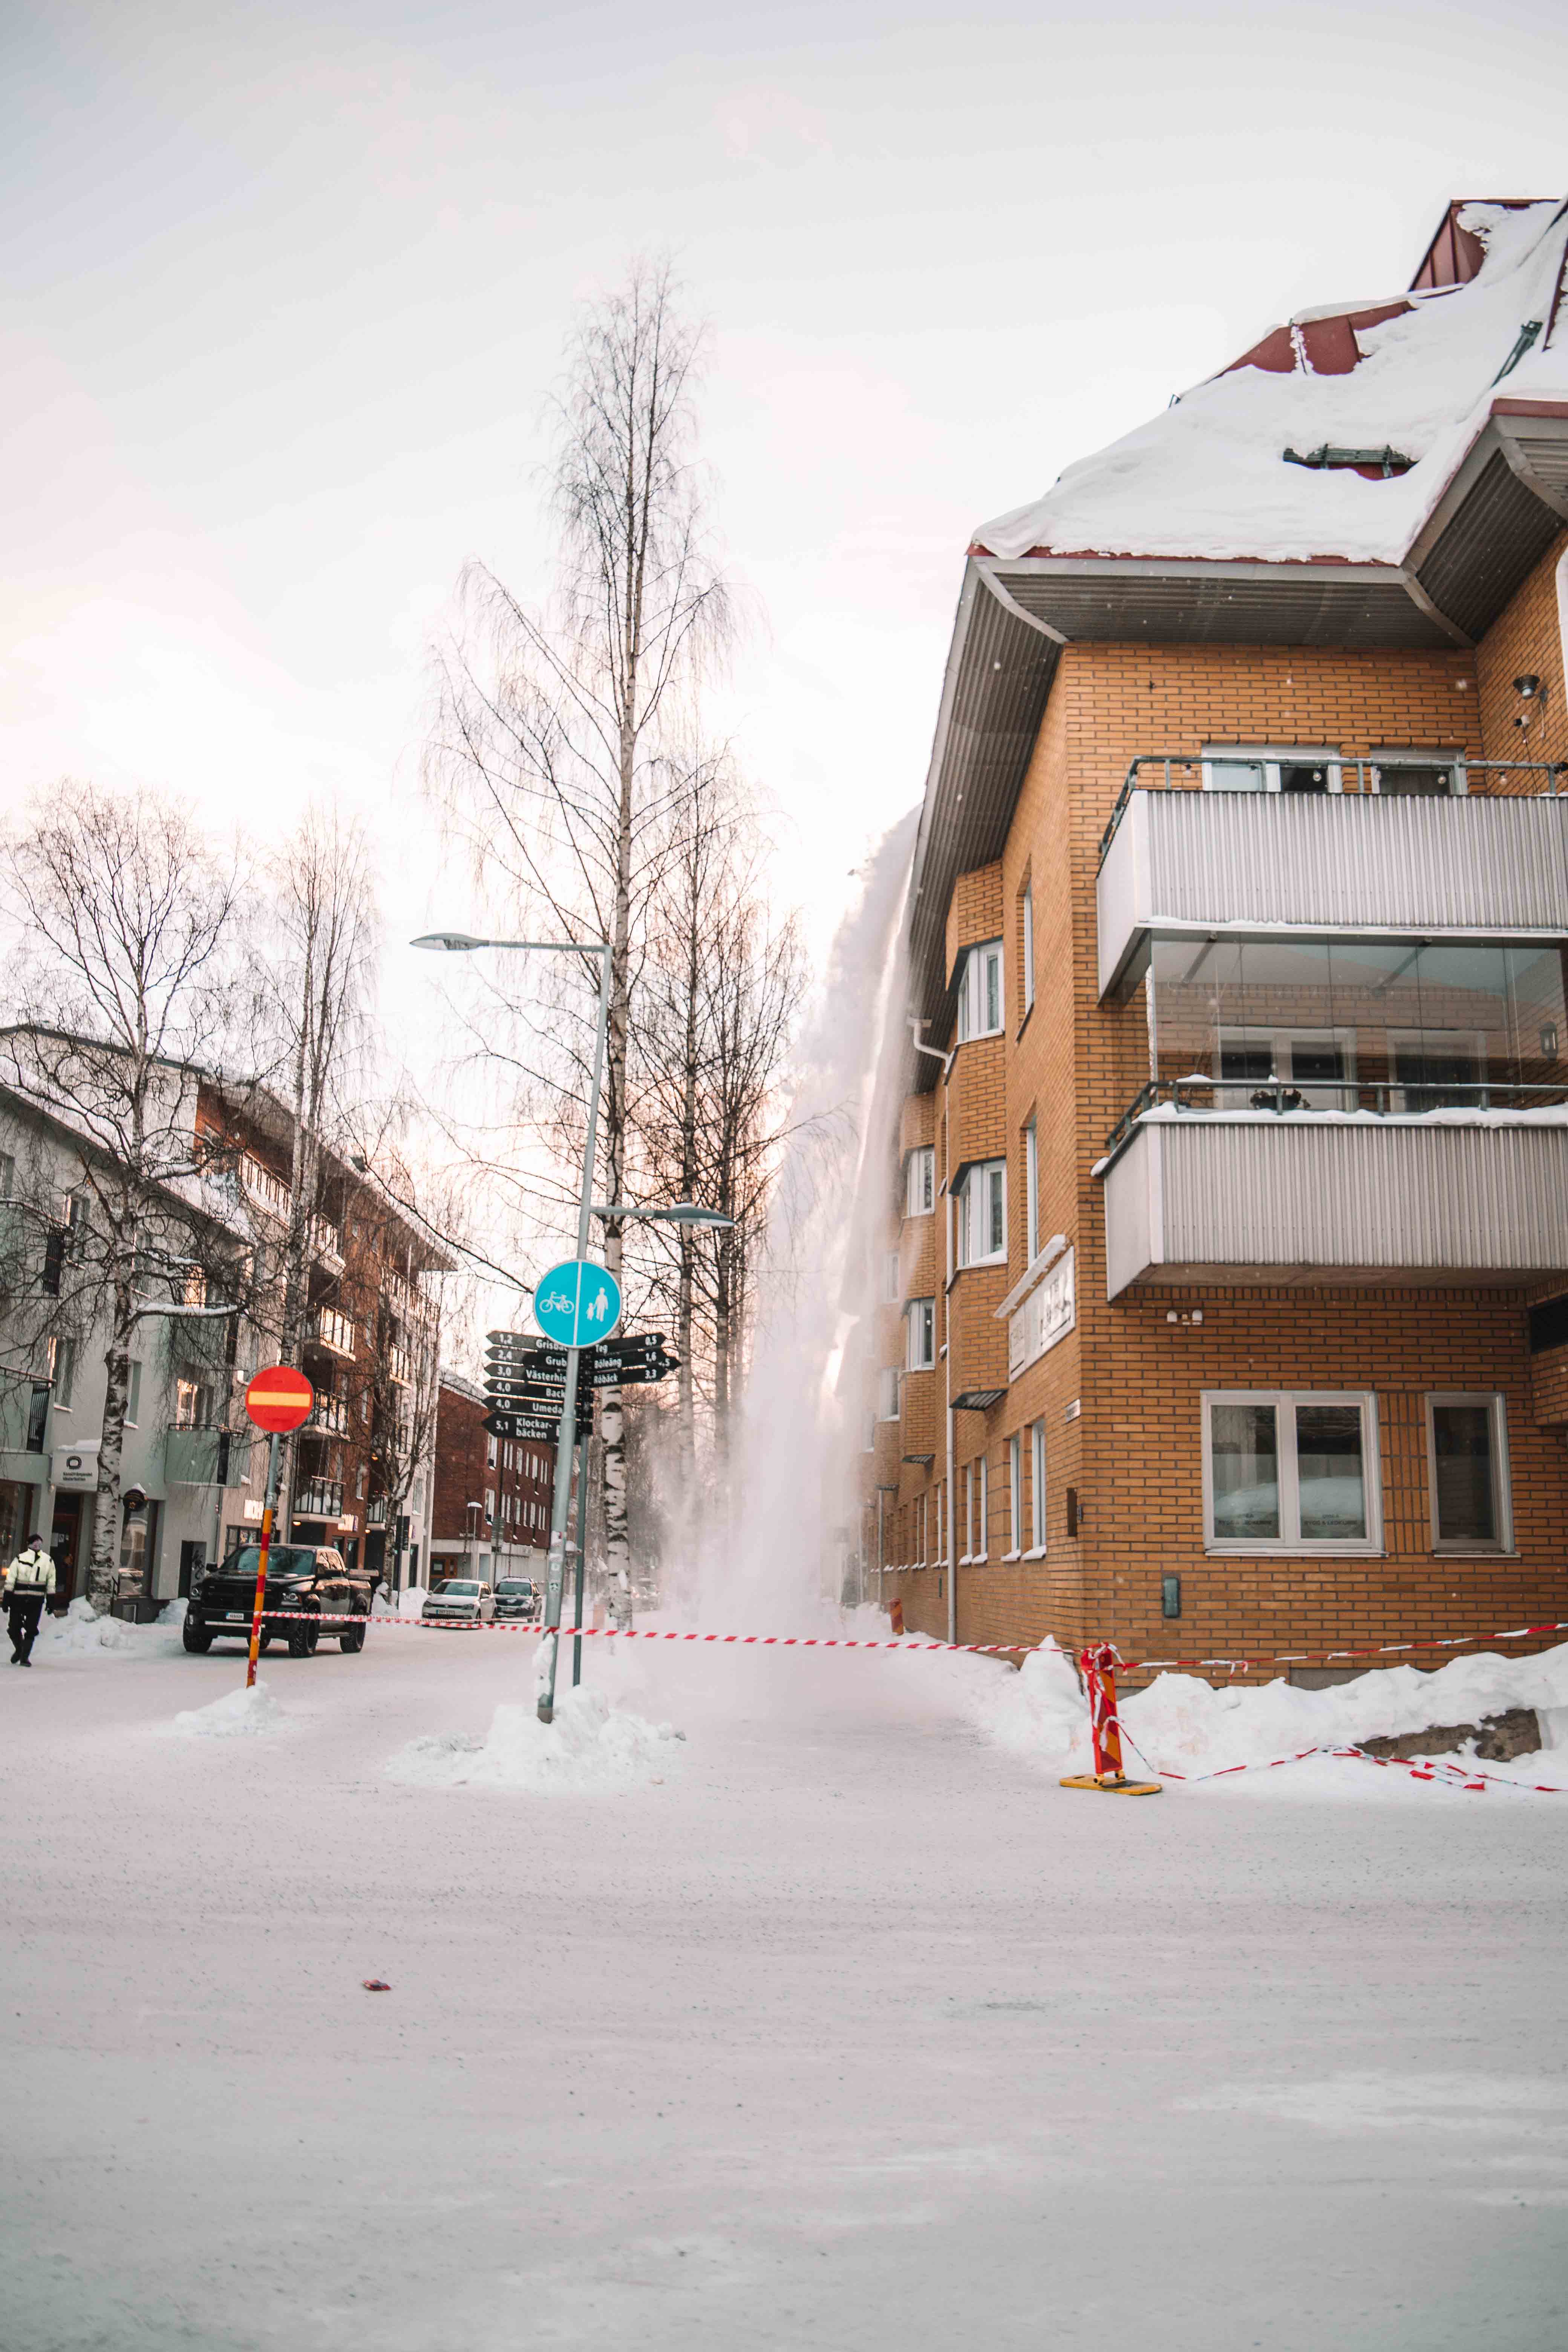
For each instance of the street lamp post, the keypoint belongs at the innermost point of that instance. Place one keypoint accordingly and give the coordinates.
(462, 943)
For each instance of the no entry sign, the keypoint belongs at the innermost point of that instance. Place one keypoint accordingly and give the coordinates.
(280, 1399)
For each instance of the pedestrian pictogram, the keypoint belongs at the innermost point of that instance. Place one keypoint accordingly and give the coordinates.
(279, 1399)
(577, 1302)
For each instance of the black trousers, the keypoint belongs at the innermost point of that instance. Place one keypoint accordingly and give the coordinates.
(24, 1610)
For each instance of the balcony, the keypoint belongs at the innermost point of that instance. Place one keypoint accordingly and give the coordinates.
(324, 1499)
(400, 1366)
(1486, 854)
(333, 1331)
(270, 1191)
(407, 1298)
(1454, 1196)
(325, 1243)
(328, 1416)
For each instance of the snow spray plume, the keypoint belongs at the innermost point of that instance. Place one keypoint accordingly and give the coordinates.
(797, 1514)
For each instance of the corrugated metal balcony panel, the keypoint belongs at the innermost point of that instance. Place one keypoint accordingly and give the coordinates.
(1312, 1199)
(1354, 862)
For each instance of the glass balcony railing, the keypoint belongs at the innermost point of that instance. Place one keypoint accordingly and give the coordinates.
(322, 1499)
(331, 1330)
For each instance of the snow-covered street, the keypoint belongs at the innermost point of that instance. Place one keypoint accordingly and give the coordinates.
(835, 2024)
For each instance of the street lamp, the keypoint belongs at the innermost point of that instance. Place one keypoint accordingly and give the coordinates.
(683, 1213)
(465, 943)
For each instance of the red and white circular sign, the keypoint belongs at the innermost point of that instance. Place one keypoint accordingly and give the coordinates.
(280, 1399)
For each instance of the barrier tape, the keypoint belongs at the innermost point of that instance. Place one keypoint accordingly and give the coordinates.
(851, 1642)
(1468, 1777)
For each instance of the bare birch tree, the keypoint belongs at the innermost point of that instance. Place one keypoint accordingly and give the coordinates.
(553, 728)
(321, 980)
(123, 996)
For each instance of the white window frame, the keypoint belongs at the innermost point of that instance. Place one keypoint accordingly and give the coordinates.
(133, 1393)
(1269, 758)
(1288, 1540)
(888, 1392)
(919, 1342)
(1026, 917)
(1031, 1194)
(981, 993)
(974, 1206)
(62, 1373)
(1470, 1546)
(1037, 1487)
(868, 1440)
(891, 1284)
(919, 1181)
(1014, 1496)
(982, 1496)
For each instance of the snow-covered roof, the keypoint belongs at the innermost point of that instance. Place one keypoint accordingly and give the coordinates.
(1415, 372)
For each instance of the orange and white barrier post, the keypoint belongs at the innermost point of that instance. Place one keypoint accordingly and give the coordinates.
(1097, 1665)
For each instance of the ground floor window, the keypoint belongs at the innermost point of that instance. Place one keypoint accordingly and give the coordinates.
(1037, 1482)
(1290, 1470)
(1467, 1476)
(1014, 1494)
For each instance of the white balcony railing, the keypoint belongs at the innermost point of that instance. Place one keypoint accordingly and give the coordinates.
(262, 1185)
(331, 1330)
(326, 1244)
(1305, 1197)
(328, 1416)
(1190, 862)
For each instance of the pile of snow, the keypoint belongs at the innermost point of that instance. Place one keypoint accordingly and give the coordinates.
(1182, 1724)
(407, 1603)
(590, 1746)
(80, 1633)
(239, 1714)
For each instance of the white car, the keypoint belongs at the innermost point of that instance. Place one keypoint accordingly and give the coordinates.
(459, 1602)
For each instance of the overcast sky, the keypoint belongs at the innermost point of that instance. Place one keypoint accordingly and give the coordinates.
(285, 285)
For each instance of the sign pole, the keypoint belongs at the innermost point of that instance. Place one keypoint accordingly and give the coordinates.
(556, 1573)
(582, 1551)
(271, 1506)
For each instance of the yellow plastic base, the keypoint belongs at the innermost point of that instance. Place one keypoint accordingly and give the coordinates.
(1109, 1784)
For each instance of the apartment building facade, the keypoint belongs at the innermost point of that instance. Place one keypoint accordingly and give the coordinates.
(1222, 1277)
(492, 1494)
(193, 1473)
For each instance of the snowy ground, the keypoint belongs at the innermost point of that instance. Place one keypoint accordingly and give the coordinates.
(835, 2024)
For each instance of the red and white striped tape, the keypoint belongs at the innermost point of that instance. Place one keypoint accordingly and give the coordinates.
(1435, 1768)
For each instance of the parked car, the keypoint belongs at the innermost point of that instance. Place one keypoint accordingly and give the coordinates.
(459, 1602)
(315, 1580)
(519, 1597)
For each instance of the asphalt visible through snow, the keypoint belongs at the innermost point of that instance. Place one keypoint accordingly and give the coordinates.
(849, 2031)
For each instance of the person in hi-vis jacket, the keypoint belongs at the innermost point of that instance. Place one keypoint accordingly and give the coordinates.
(29, 1580)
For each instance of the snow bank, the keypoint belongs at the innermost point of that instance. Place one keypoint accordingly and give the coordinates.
(239, 1714)
(79, 1635)
(590, 1746)
(410, 1601)
(1182, 1724)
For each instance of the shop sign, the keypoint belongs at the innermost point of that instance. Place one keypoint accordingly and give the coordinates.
(75, 1467)
(347, 1522)
(253, 1508)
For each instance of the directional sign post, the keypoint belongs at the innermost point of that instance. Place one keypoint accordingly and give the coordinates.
(277, 1401)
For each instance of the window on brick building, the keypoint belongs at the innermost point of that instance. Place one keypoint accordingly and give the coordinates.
(1468, 1473)
(1015, 1494)
(887, 1393)
(490, 1453)
(1291, 1470)
(967, 1554)
(1027, 924)
(921, 1317)
(868, 1435)
(980, 992)
(1037, 1483)
(980, 1209)
(920, 1181)
(983, 1497)
(1242, 768)
(889, 1278)
(490, 1503)
(1031, 1194)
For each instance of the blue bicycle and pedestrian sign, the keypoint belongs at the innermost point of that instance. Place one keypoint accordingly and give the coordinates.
(577, 1302)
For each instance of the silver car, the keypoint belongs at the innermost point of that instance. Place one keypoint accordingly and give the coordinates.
(461, 1600)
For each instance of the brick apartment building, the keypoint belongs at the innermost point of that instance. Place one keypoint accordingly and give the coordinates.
(492, 1494)
(1222, 1272)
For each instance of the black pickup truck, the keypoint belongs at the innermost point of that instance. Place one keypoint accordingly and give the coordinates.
(299, 1578)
